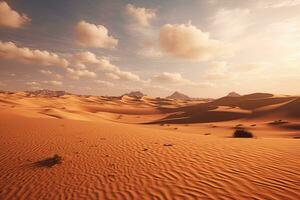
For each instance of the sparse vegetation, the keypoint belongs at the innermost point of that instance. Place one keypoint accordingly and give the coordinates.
(278, 122)
(239, 125)
(49, 162)
(242, 133)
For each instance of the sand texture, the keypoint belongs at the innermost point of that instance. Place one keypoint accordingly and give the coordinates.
(148, 148)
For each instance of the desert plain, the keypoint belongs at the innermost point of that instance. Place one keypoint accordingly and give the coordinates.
(132, 147)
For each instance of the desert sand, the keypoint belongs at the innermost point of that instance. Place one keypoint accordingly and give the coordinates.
(148, 148)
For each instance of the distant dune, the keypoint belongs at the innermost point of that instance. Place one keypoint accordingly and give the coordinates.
(135, 94)
(233, 94)
(178, 95)
(57, 145)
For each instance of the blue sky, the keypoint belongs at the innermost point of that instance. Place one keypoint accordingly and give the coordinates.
(204, 48)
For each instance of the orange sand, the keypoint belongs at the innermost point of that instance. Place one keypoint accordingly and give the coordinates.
(131, 148)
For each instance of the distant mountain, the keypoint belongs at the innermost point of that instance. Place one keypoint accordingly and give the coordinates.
(135, 94)
(234, 94)
(47, 93)
(178, 95)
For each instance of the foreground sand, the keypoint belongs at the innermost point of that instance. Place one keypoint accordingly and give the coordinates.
(107, 159)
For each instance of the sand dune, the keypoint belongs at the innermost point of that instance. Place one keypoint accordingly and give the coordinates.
(148, 148)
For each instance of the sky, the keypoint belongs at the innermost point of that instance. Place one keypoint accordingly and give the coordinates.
(203, 48)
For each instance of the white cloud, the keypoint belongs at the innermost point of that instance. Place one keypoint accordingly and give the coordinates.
(142, 16)
(112, 76)
(82, 58)
(33, 83)
(188, 42)
(171, 78)
(277, 3)
(104, 83)
(51, 74)
(11, 18)
(251, 66)
(8, 50)
(124, 76)
(218, 70)
(85, 57)
(112, 72)
(150, 52)
(231, 23)
(175, 79)
(53, 83)
(284, 32)
(96, 36)
(127, 76)
(78, 73)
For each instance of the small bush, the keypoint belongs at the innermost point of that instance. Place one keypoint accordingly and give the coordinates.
(49, 162)
(242, 133)
(277, 122)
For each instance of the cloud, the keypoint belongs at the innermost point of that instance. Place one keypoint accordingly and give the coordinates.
(10, 18)
(231, 23)
(33, 84)
(277, 3)
(175, 79)
(53, 83)
(112, 76)
(112, 72)
(51, 74)
(38, 85)
(78, 73)
(85, 57)
(188, 42)
(127, 76)
(96, 36)
(9, 51)
(251, 66)
(123, 76)
(142, 16)
(104, 83)
(82, 58)
(171, 78)
(150, 52)
(218, 70)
